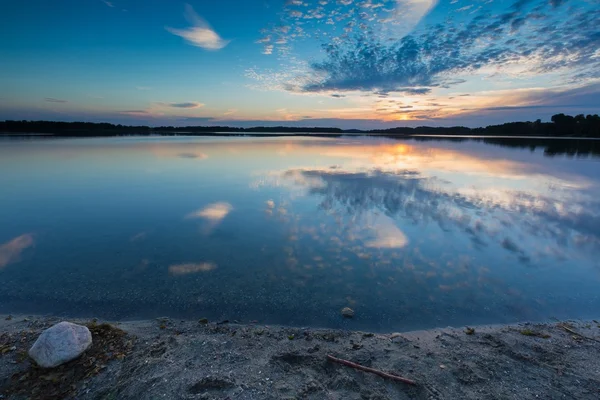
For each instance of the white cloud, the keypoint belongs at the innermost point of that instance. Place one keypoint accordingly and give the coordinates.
(200, 34)
(268, 49)
(409, 13)
(387, 235)
(214, 212)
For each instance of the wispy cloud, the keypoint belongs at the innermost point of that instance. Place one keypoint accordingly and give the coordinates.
(135, 113)
(11, 250)
(200, 34)
(408, 14)
(53, 100)
(190, 104)
(108, 3)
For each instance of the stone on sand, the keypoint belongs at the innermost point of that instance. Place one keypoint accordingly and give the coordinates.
(347, 312)
(60, 343)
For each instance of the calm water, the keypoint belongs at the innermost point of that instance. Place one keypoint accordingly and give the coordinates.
(409, 233)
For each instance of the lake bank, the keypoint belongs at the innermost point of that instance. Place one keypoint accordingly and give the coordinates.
(207, 360)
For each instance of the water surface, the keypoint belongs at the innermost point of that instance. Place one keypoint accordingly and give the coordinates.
(409, 233)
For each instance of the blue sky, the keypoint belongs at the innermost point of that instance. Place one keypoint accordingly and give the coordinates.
(346, 63)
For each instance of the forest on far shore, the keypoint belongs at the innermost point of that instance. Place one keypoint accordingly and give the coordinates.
(561, 125)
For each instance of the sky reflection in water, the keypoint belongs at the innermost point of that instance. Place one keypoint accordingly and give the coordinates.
(409, 233)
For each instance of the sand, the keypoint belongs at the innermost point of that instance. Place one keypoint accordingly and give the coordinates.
(168, 359)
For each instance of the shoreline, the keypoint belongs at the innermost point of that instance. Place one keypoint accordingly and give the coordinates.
(170, 358)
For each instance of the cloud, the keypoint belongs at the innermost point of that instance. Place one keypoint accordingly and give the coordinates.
(139, 236)
(213, 212)
(53, 100)
(529, 35)
(108, 3)
(409, 13)
(11, 250)
(200, 34)
(191, 104)
(387, 235)
(200, 156)
(191, 268)
(268, 49)
(135, 113)
(553, 218)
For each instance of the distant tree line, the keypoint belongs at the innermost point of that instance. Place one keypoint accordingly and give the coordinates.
(561, 126)
(572, 147)
(71, 128)
(107, 129)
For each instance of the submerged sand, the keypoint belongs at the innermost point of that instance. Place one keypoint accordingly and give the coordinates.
(171, 359)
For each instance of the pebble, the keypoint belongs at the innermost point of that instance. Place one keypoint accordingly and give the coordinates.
(347, 312)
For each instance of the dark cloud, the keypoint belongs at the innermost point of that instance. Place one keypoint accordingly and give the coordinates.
(427, 59)
(134, 112)
(187, 155)
(53, 100)
(191, 104)
(510, 245)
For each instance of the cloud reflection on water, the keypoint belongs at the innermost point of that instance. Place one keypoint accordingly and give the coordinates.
(191, 268)
(522, 206)
(11, 250)
(387, 235)
(215, 212)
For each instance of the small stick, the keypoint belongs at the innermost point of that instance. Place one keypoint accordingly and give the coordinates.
(371, 370)
(566, 328)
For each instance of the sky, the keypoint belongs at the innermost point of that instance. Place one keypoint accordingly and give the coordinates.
(335, 63)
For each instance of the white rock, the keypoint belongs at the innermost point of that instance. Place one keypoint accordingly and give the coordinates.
(60, 343)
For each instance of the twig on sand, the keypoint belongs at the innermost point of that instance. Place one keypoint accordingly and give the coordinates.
(566, 328)
(371, 370)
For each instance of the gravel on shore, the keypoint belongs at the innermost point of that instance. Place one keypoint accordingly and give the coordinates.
(174, 359)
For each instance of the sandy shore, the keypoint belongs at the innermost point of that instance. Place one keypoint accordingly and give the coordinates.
(172, 359)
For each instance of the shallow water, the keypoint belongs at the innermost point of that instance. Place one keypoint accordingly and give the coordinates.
(411, 234)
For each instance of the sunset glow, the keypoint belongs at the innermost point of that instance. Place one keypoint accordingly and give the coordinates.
(349, 64)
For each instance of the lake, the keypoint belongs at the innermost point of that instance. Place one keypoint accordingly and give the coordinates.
(411, 234)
